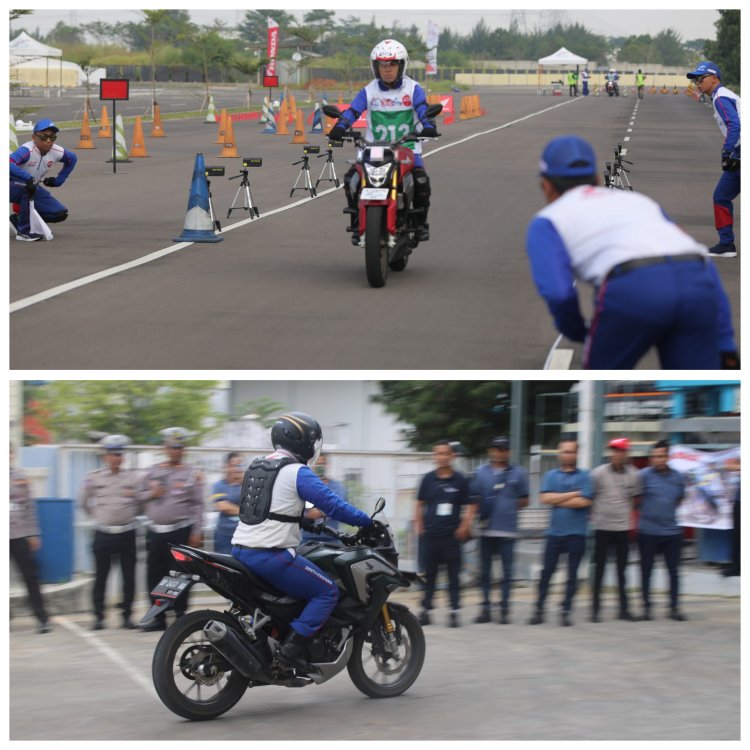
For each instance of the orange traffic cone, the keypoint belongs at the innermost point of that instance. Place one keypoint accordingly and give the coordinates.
(105, 129)
(222, 127)
(283, 122)
(299, 129)
(85, 141)
(139, 142)
(292, 109)
(157, 131)
(230, 145)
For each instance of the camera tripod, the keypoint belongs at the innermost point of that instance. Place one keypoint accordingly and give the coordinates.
(304, 174)
(329, 168)
(214, 220)
(247, 204)
(615, 174)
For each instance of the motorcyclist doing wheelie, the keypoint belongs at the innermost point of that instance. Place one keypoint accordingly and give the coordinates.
(272, 505)
(396, 106)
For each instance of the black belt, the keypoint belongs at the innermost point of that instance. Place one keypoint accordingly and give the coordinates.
(631, 265)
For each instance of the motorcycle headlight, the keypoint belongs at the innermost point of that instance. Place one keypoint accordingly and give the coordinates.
(377, 175)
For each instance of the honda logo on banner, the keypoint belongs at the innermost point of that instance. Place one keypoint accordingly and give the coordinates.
(273, 46)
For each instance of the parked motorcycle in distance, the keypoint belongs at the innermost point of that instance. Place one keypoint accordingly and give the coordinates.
(206, 660)
(387, 216)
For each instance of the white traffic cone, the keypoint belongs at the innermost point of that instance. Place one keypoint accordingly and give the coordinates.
(211, 116)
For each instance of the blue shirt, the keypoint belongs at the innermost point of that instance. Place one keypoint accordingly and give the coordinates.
(568, 521)
(443, 498)
(340, 490)
(498, 492)
(230, 492)
(662, 493)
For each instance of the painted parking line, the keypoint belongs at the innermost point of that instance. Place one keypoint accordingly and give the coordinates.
(69, 286)
(122, 664)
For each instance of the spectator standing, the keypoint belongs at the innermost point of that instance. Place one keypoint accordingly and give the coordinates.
(658, 532)
(226, 499)
(173, 495)
(569, 491)
(109, 498)
(443, 521)
(500, 491)
(25, 541)
(616, 485)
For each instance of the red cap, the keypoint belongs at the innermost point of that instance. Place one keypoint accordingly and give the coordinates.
(620, 444)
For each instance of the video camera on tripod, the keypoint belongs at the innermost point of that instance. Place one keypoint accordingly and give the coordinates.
(248, 162)
(213, 172)
(304, 171)
(615, 174)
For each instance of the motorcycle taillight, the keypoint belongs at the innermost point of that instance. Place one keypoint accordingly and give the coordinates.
(180, 556)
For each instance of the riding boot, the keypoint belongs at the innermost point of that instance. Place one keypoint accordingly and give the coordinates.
(294, 650)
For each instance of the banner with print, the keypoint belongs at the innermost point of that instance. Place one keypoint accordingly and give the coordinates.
(433, 34)
(273, 47)
(712, 479)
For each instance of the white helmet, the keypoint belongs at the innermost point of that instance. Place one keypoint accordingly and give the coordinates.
(389, 49)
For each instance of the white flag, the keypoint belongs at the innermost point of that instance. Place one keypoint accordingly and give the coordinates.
(433, 34)
(38, 224)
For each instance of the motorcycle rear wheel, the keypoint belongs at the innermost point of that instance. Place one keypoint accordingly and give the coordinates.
(376, 247)
(191, 678)
(378, 674)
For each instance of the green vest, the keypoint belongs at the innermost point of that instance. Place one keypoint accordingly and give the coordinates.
(572, 79)
(640, 79)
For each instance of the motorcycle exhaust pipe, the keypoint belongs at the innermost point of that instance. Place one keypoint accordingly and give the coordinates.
(240, 655)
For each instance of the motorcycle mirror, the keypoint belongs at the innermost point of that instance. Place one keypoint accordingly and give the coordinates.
(331, 110)
(432, 111)
(379, 505)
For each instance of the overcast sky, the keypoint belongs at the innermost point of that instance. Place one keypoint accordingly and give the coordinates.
(690, 24)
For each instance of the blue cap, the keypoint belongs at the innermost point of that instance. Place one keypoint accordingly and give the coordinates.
(45, 125)
(705, 68)
(567, 156)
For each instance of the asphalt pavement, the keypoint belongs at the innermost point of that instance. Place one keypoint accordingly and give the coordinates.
(113, 291)
(611, 681)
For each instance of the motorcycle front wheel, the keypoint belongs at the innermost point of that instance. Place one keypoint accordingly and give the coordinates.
(381, 667)
(376, 246)
(192, 679)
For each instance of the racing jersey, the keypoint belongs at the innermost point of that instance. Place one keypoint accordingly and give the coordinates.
(727, 115)
(37, 165)
(391, 113)
(588, 231)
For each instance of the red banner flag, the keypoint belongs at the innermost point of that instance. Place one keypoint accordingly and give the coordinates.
(273, 46)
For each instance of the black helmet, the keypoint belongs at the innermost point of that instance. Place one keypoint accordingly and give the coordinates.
(299, 434)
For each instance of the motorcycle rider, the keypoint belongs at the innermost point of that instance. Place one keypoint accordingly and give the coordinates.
(268, 545)
(395, 105)
(613, 77)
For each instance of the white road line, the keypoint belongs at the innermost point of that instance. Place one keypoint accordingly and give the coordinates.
(55, 291)
(626, 138)
(120, 662)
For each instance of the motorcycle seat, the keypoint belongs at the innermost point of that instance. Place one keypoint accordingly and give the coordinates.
(256, 580)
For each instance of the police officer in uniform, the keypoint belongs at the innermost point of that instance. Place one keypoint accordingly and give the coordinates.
(173, 495)
(274, 492)
(24, 540)
(109, 498)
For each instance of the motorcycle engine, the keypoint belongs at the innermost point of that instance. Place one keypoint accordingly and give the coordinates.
(324, 646)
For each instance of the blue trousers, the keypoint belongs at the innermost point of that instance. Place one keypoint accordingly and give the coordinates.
(727, 189)
(489, 547)
(574, 545)
(48, 207)
(672, 306)
(298, 577)
(669, 546)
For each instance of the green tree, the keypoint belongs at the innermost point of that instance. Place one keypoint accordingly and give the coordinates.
(64, 34)
(469, 411)
(206, 47)
(725, 51)
(254, 27)
(137, 408)
(14, 14)
(668, 48)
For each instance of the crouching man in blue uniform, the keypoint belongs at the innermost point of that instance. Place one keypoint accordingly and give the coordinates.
(655, 286)
(28, 165)
(267, 535)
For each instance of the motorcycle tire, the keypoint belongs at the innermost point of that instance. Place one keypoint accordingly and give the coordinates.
(177, 653)
(376, 247)
(371, 671)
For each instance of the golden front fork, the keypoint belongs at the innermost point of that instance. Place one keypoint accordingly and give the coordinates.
(387, 619)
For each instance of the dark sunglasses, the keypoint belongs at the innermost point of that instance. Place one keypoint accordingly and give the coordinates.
(700, 79)
(46, 136)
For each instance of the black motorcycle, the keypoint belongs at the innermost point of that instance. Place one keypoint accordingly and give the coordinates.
(206, 660)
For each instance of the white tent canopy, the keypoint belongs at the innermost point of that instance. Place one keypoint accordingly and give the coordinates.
(563, 57)
(25, 48)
